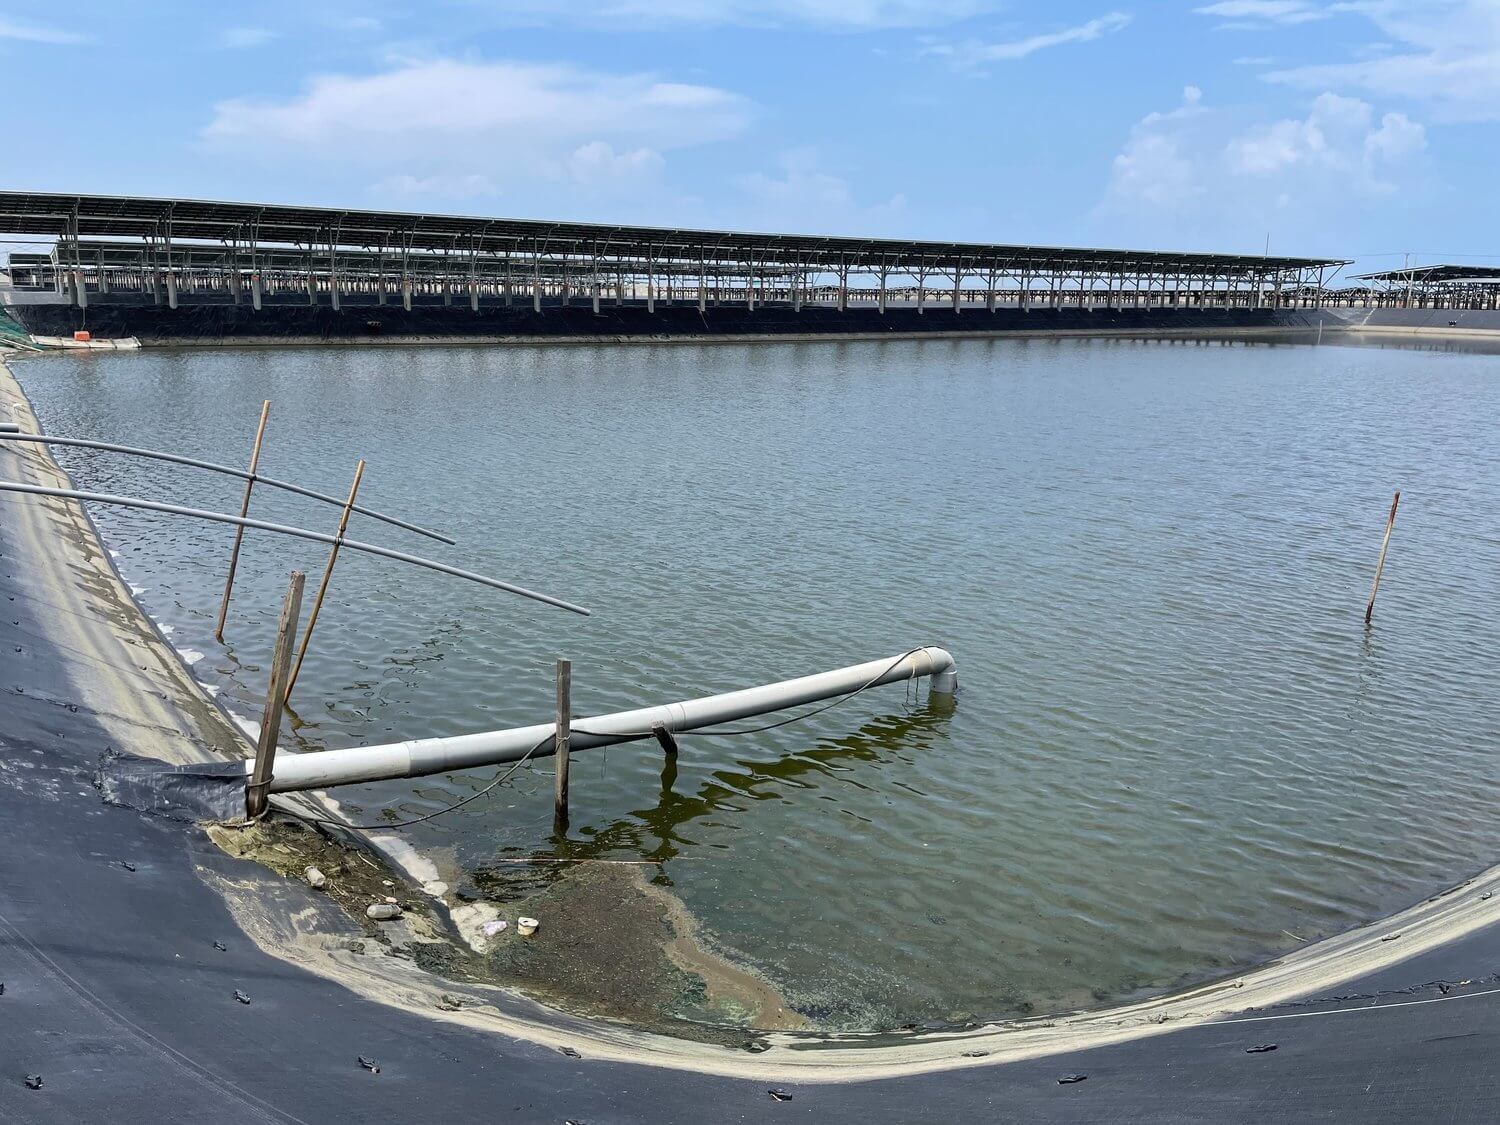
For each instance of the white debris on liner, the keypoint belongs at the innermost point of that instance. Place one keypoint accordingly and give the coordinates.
(471, 918)
(315, 878)
(383, 912)
(249, 726)
(421, 869)
(190, 656)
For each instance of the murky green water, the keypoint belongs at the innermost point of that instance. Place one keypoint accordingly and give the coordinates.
(1176, 744)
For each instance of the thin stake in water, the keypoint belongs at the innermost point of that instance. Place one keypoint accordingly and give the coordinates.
(333, 557)
(270, 724)
(1379, 566)
(563, 736)
(239, 532)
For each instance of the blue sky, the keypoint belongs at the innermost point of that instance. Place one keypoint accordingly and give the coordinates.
(1362, 129)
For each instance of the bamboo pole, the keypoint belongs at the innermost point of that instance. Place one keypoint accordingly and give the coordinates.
(1380, 565)
(563, 738)
(270, 724)
(333, 557)
(239, 532)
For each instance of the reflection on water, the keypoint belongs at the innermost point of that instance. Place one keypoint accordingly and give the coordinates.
(654, 833)
(1176, 739)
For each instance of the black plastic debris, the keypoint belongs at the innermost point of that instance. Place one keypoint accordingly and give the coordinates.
(127, 865)
(369, 1064)
(572, 1054)
(2, 988)
(1260, 1048)
(241, 997)
(1390, 937)
(221, 947)
(975, 1054)
(1069, 1079)
(200, 791)
(33, 1081)
(779, 1095)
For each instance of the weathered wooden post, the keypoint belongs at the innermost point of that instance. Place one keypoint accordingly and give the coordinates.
(270, 724)
(564, 729)
(239, 532)
(333, 557)
(1380, 565)
(664, 739)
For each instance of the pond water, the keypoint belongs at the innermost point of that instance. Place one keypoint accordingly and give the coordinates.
(1176, 749)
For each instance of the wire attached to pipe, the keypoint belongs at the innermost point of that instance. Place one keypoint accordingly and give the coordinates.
(490, 788)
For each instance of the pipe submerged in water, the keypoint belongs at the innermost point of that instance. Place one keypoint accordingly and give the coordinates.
(421, 757)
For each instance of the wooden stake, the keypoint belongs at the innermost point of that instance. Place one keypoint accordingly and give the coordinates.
(665, 739)
(270, 724)
(564, 728)
(239, 532)
(333, 557)
(1379, 566)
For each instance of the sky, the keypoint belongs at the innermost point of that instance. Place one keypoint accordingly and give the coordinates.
(1367, 129)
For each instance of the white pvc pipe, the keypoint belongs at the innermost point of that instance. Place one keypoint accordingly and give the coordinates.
(423, 756)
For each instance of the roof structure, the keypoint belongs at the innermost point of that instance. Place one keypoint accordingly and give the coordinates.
(256, 225)
(1435, 275)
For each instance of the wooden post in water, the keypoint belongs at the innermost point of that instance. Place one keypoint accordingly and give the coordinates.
(333, 557)
(564, 728)
(1379, 566)
(270, 723)
(239, 532)
(665, 739)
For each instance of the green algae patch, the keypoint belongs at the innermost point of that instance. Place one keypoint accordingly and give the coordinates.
(612, 943)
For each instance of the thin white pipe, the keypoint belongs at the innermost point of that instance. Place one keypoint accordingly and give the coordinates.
(423, 756)
(286, 529)
(11, 434)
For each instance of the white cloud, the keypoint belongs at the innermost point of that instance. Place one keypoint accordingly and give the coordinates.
(1197, 171)
(240, 37)
(1157, 166)
(801, 195)
(1260, 13)
(457, 128)
(598, 163)
(31, 33)
(845, 15)
(1446, 53)
(975, 53)
(450, 187)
